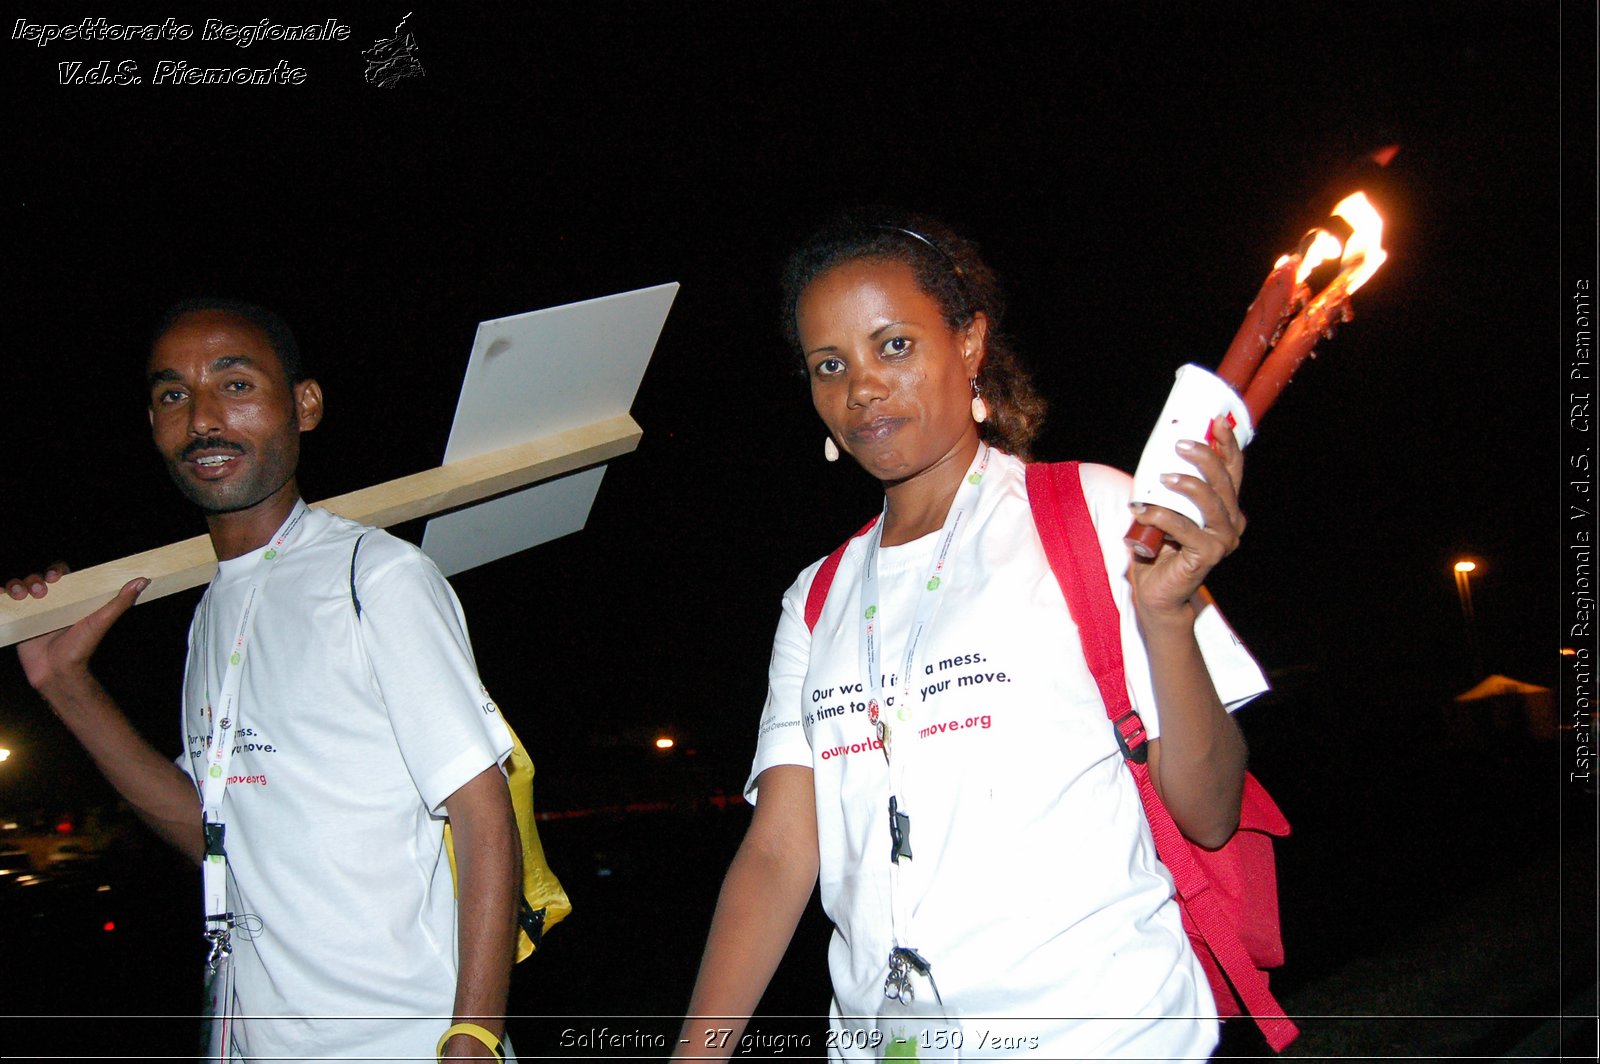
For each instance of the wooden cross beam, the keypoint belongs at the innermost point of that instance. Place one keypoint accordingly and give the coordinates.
(179, 566)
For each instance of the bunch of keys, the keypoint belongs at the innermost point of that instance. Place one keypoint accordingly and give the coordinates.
(902, 962)
(221, 944)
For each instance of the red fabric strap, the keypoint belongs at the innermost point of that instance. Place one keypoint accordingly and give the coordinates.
(1055, 492)
(824, 578)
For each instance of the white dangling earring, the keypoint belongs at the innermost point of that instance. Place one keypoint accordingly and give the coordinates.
(830, 450)
(980, 409)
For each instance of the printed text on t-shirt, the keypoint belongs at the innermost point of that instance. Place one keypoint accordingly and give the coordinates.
(836, 701)
(981, 721)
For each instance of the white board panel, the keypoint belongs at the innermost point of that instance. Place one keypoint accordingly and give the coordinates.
(531, 375)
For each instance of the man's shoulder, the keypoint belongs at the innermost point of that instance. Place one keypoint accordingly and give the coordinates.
(367, 546)
(342, 556)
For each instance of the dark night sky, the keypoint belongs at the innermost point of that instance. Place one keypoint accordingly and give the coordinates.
(1132, 171)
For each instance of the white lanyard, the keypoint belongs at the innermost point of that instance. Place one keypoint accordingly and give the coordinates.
(224, 722)
(879, 712)
(928, 603)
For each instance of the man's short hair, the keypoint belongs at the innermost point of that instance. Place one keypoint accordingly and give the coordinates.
(279, 335)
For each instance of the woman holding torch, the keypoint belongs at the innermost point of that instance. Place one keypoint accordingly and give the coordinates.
(935, 749)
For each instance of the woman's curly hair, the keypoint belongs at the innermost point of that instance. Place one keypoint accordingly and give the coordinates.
(947, 268)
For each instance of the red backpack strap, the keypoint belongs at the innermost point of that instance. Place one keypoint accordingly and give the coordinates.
(1061, 514)
(824, 578)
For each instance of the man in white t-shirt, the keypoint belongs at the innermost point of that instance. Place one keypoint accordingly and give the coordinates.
(350, 726)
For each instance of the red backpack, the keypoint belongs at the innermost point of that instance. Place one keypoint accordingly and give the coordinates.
(1229, 896)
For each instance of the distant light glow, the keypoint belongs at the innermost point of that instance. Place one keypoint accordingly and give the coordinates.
(5, 755)
(1569, 652)
(1466, 567)
(109, 925)
(664, 743)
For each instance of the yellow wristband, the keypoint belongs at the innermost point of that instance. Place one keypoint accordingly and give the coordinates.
(471, 1030)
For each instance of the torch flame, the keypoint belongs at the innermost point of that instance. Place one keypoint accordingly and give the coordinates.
(1324, 246)
(1363, 252)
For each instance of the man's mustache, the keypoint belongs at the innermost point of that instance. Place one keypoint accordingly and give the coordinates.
(212, 444)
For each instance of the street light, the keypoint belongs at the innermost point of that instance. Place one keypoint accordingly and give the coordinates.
(1464, 587)
(1463, 573)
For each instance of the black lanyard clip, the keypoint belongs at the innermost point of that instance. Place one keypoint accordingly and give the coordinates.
(214, 834)
(899, 831)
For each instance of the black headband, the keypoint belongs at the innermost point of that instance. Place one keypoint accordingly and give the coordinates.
(955, 268)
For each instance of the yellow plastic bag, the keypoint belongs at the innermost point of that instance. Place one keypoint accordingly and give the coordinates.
(544, 903)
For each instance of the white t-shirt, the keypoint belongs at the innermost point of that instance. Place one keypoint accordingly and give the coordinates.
(351, 733)
(1034, 890)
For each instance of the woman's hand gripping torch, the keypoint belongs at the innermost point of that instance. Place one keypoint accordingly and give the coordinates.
(1239, 391)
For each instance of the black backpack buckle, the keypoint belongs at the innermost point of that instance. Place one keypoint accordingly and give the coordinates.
(1131, 738)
